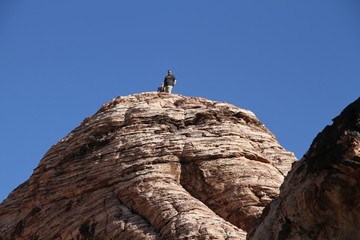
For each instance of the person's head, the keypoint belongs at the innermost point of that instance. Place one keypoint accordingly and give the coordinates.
(169, 72)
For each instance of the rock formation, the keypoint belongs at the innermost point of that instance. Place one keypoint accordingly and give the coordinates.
(320, 198)
(152, 166)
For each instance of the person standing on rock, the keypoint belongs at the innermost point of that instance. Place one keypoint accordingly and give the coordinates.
(169, 82)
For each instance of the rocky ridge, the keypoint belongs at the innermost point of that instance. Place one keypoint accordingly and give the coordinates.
(151, 166)
(320, 198)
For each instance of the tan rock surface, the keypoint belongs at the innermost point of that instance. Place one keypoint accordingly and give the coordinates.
(151, 166)
(320, 198)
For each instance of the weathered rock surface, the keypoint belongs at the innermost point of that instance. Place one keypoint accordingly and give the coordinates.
(151, 166)
(320, 198)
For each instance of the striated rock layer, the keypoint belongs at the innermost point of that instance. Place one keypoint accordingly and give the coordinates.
(320, 198)
(151, 166)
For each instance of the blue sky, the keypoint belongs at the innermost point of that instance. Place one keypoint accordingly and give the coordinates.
(295, 64)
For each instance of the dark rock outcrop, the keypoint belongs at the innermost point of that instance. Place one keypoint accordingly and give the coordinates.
(320, 198)
(152, 166)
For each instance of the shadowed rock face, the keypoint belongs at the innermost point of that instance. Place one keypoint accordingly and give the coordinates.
(320, 198)
(151, 166)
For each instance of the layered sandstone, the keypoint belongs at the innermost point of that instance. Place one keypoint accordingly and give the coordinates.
(151, 166)
(320, 198)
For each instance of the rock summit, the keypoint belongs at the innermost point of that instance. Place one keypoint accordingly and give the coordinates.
(152, 166)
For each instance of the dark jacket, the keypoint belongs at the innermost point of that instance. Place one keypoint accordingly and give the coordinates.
(169, 80)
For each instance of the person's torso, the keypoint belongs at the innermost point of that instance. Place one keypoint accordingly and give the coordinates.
(169, 80)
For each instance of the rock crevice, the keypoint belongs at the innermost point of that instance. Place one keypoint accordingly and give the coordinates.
(320, 198)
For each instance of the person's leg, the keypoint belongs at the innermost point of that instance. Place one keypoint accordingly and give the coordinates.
(170, 89)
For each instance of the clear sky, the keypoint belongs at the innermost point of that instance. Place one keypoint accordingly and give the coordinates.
(295, 64)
